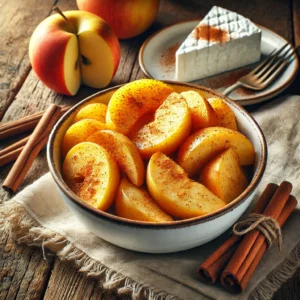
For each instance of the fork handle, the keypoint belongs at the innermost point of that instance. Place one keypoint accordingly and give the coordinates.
(231, 88)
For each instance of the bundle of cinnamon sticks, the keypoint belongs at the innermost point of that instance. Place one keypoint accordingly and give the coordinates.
(27, 149)
(235, 261)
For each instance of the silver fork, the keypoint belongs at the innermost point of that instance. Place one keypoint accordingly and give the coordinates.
(265, 72)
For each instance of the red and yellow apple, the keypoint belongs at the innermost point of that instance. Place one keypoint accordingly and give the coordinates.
(128, 18)
(80, 48)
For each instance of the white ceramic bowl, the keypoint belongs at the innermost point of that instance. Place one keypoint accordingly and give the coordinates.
(153, 237)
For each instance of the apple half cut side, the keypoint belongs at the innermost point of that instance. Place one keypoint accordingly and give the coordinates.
(82, 49)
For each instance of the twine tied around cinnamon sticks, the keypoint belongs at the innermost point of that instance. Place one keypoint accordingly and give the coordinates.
(235, 261)
(268, 226)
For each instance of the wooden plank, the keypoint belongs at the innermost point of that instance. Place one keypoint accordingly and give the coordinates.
(23, 271)
(17, 22)
(296, 24)
(67, 283)
(34, 96)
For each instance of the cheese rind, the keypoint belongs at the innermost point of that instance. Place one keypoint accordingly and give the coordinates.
(222, 41)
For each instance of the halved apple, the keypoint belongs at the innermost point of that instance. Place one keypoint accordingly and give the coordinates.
(171, 126)
(223, 176)
(130, 102)
(201, 112)
(92, 174)
(79, 132)
(77, 48)
(175, 193)
(136, 204)
(225, 115)
(124, 152)
(206, 143)
(96, 111)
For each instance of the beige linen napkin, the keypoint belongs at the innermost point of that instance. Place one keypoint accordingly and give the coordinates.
(38, 216)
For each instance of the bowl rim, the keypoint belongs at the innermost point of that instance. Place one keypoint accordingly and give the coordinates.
(56, 174)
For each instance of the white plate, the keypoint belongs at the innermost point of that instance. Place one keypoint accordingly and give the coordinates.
(157, 60)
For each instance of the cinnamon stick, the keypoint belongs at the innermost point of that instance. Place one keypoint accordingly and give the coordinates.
(213, 266)
(32, 148)
(22, 125)
(286, 212)
(232, 278)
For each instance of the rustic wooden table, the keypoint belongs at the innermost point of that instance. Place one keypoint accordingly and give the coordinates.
(24, 273)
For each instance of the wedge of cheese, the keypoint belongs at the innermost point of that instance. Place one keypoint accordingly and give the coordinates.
(222, 41)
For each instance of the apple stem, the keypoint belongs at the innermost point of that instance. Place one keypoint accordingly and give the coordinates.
(56, 9)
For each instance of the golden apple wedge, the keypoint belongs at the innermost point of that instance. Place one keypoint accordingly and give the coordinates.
(171, 126)
(124, 152)
(206, 143)
(225, 115)
(135, 203)
(133, 100)
(202, 113)
(96, 111)
(175, 193)
(79, 49)
(79, 132)
(223, 176)
(92, 174)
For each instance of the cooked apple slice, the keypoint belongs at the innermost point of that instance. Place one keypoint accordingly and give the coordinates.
(175, 193)
(201, 112)
(223, 176)
(171, 126)
(130, 102)
(96, 111)
(92, 174)
(136, 204)
(225, 115)
(124, 152)
(79, 132)
(206, 143)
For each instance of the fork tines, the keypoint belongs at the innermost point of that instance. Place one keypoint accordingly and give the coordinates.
(266, 71)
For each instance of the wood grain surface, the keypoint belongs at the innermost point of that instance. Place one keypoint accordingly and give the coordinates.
(24, 272)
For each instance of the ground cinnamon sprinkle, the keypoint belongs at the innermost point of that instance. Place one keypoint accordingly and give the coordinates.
(167, 58)
(210, 33)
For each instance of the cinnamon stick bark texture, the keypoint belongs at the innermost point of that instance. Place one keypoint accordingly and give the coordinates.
(32, 148)
(213, 266)
(287, 210)
(12, 152)
(234, 277)
(22, 125)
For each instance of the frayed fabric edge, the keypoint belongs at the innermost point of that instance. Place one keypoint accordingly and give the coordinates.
(285, 270)
(17, 222)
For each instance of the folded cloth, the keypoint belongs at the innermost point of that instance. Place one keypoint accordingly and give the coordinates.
(38, 216)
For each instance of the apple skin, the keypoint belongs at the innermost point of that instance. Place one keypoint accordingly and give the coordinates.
(128, 18)
(53, 50)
